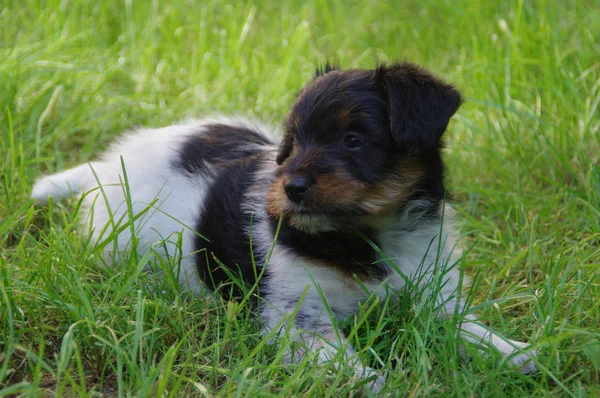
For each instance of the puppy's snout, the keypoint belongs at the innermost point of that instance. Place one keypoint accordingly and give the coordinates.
(296, 188)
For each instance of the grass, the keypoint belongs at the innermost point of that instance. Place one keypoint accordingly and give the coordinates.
(523, 160)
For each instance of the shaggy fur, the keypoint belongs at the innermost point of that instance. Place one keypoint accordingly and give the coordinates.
(358, 173)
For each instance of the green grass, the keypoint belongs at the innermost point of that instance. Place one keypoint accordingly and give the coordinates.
(523, 156)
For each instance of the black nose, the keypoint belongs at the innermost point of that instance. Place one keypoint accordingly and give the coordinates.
(296, 188)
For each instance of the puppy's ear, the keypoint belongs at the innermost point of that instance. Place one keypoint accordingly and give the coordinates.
(285, 148)
(420, 105)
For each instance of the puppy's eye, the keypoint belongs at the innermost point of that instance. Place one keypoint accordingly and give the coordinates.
(352, 141)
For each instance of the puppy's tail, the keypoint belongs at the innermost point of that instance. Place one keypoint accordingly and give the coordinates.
(64, 184)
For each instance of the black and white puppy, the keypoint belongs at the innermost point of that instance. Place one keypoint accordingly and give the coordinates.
(353, 196)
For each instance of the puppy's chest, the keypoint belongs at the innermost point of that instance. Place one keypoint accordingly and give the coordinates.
(349, 253)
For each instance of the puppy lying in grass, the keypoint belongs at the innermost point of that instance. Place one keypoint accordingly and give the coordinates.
(349, 204)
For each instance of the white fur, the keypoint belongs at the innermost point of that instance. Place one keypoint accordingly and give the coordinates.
(176, 200)
(418, 251)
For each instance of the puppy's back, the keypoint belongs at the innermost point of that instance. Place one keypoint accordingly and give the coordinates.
(158, 179)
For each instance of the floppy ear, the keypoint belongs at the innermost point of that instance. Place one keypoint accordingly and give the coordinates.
(285, 148)
(420, 105)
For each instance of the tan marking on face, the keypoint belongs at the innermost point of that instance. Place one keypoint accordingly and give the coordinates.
(377, 199)
(384, 196)
(338, 187)
(277, 201)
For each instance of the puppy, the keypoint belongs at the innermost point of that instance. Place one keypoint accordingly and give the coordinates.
(350, 203)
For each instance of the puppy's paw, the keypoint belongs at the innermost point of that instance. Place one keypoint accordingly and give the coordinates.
(525, 362)
(375, 383)
(518, 354)
(523, 358)
(43, 189)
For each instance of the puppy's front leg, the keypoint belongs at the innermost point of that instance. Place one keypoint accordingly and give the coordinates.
(516, 351)
(475, 332)
(311, 328)
(436, 275)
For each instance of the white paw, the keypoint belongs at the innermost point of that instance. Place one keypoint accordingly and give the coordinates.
(525, 362)
(46, 187)
(518, 354)
(42, 189)
(376, 384)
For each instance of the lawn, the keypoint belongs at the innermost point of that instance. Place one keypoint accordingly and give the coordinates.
(523, 156)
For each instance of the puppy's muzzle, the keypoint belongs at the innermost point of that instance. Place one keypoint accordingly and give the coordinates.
(296, 188)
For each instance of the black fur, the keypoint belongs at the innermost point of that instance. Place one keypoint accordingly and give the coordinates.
(348, 251)
(431, 188)
(420, 106)
(218, 145)
(234, 154)
(285, 149)
(338, 103)
(223, 226)
(326, 69)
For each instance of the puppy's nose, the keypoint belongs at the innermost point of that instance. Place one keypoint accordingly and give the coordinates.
(296, 188)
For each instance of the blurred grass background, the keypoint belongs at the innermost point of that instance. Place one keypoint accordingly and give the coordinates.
(523, 155)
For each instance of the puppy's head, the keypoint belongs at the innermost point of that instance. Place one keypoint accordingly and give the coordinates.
(358, 144)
